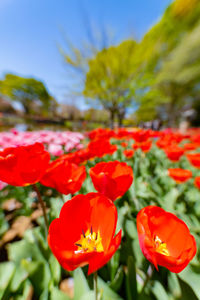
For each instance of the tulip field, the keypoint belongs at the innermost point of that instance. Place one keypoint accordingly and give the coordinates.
(103, 215)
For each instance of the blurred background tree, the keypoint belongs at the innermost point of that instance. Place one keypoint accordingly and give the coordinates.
(109, 79)
(29, 92)
(157, 77)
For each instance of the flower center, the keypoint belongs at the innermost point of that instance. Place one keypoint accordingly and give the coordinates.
(89, 242)
(160, 246)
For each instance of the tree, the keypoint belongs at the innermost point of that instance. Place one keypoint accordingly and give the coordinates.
(31, 93)
(167, 61)
(109, 79)
(180, 75)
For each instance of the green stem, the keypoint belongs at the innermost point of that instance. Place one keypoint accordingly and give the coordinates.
(62, 198)
(148, 277)
(95, 286)
(42, 206)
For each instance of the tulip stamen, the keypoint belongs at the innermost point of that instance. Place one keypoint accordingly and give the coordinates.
(160, 246)
(90, 241)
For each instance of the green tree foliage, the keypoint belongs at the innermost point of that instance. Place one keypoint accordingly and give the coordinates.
(160, 73)
(31, 93)
(109, 79)
(168, 61)
(180, 74)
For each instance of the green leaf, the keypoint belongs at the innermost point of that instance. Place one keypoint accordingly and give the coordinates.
(20, 275)
(170, 199)
(174, 285)
(44, 295)
(88, 296)
(39, 275)
(114, 264)
(24, 250)
(187, 292)
(192, 279)
(80, 284)
(107, 293)
(55, 269)
(118, 279)
(159, 291)
(131, 283)
(56, 294)
(26, 291)
(7, 270)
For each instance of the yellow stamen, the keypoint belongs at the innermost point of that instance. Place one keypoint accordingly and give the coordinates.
(89, 242)
(161, 247)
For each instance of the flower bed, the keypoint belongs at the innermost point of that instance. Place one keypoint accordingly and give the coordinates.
(127, 205)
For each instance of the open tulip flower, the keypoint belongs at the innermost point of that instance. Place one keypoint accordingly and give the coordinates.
(174, 152)
(129, 153)
(23, 165)
(65, 177)
(112, 179)
(164, 239)
(194, 159)
(197, 182)
(101, 147)
(144, 146)
(84, 232)
(180, 175)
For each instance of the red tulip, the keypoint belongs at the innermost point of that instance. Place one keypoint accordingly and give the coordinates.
(23, 165)
(190, 146)
(164, 239)
(124, 144)
(197, 182)
(129, 153)
(84, 232)
(180, 175)
(101, 133)
(101, 147)
(194, 159)
(123, 133)
(144, 146)
(65, 177)
(141, 136)
(174, 152)
(111, 179)
(76, 157)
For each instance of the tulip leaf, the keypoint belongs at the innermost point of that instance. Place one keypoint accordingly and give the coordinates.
(55, 269)
(174, 285)
(39, 274)
(44, 295)
(20, 275)
(80, 284)
(24, 249)
(159, 291)
(192, 279)
(131, 283)
(118, 279)
(114, 264)
(7, 270)
(88, 296)
(170, 199)
(27, 290)
(186, 291)
(56, 294)
(107, 293)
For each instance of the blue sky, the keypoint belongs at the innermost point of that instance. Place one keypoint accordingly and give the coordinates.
(31, 30)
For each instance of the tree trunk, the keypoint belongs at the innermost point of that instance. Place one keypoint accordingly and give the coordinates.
(112, 117)
(120, 115)
(120, 120)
